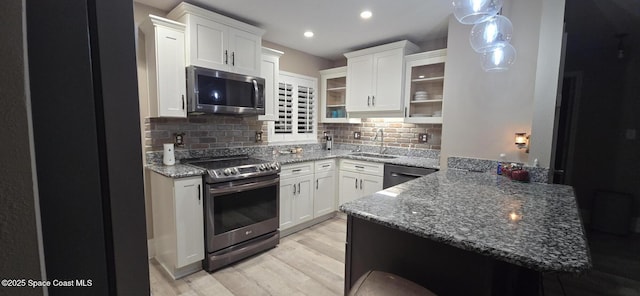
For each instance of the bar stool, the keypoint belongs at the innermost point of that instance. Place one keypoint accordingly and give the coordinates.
(379, 283)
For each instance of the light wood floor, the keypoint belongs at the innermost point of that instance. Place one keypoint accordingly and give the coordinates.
(309, 262)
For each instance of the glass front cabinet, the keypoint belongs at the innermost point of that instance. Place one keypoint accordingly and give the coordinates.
(333, 87)
(424, 84)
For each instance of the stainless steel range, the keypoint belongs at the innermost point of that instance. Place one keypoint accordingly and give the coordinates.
(240, 208)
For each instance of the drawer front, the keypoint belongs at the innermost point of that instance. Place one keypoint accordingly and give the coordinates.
(325, 165)
(372, 168)
(298, 169)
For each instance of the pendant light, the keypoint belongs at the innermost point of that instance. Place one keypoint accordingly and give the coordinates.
(499, 59)
(491, 34)
(475, 11)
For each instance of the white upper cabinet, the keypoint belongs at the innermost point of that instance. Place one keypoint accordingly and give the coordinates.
(359, 83)
(165, 54)
(217, 42)
(270, 71)
(424, 86)
(333, 96)
(375, 78)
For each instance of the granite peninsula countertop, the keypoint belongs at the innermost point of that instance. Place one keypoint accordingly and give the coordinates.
(185, 170)
(528, 224)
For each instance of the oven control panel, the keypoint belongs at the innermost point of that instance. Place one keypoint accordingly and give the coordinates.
(247, 171)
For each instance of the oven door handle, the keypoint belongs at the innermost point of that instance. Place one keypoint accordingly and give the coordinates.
(244, 187)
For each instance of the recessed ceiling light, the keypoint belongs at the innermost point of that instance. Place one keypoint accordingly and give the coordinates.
(366, 14)
(308, 34)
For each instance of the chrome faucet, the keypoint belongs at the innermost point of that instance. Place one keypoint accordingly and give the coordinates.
(381, 132)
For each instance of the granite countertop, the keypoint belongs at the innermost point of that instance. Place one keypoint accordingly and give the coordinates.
(184, 170)
(528, 224)
(176, 171)
(347, 154)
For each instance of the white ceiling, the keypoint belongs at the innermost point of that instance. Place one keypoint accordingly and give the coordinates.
(337, 24)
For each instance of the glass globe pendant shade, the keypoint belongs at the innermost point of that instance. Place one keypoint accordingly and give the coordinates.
(491, 34)
(499, 59)
(475, 11)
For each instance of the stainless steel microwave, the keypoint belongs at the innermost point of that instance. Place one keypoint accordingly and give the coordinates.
(219, 92)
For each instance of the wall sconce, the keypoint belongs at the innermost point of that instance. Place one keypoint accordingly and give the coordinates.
(522, 141)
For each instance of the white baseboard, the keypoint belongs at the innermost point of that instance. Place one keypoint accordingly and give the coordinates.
(151, 249)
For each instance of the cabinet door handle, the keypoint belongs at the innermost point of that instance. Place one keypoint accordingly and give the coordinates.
(294, 189)
(368, 100)
(199, 192)
(298, 188)
(359, 167)
(356, 183)
(326, 165)
(233, 58)
(182, 102)
(316, 184)
(296, 170)
(373, 100)
(226, 57)
(360, 184)
(405, 111)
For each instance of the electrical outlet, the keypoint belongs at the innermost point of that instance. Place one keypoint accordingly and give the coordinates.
(422, 138)
(178, 139)
(356, 135)
(258, 136)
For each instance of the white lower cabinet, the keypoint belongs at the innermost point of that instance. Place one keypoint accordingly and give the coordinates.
(358, 179)
(178, 225)
(348, 186)
(307, 191)
(296, 200)
(324, 200)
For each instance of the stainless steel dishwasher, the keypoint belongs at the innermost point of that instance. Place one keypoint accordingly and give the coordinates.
(396, 174)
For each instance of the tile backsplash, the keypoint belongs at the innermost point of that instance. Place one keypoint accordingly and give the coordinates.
(221, 131)
(396, 133)
(205, 132)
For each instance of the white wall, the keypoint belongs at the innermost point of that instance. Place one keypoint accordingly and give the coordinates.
(546, 89)
(482, 111)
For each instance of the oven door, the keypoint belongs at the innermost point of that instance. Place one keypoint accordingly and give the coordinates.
(241, 210)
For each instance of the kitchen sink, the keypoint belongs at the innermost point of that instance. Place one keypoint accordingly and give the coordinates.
(373, 155)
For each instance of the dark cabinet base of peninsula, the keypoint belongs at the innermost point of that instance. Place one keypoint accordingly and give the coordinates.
(441, 268)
